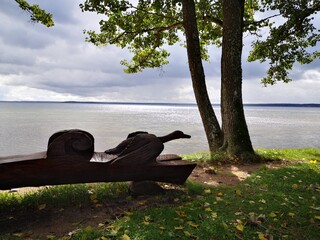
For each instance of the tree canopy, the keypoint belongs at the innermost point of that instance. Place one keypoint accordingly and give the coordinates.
(292, 41)
(147, 27)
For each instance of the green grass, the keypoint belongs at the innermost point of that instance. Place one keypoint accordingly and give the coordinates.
(61, 196)
(282, 203)
(290, 154)
(279, 203)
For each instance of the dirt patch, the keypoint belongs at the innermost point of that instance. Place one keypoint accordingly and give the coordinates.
(41, 224)
(228, 174)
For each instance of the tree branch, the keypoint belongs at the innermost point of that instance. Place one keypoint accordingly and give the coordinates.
(155, 29)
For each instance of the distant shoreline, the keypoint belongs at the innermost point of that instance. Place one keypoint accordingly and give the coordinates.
(313, 105)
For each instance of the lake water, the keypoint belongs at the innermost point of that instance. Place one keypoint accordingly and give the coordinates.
(25, 127)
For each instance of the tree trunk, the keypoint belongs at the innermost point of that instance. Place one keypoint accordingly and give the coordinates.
(236, 135)
(209, 119)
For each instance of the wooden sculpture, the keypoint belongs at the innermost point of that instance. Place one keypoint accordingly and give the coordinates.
(70, 158)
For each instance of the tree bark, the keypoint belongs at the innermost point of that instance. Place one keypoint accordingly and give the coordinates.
(236, 135)
(209, 119)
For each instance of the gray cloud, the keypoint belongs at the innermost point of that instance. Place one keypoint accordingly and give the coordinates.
(39, 63)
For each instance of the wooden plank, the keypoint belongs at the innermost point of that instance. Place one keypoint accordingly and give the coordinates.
(43, 172)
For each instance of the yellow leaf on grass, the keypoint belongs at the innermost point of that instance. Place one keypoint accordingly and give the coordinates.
(207, 191)
(125, 219)
(125, 237)
(291, 214)
(218, 199)
(294, 186)
(208, 209)
(219, 194)
(18, 235)
(238, 192)
(181, 213)
(240, 227)
(147, 218)
(214, 215)
(93, 197)
(272, 214)
(317, 217)
(42, 206)
(262, 201)
(192, 224)
(262, 237)
(100, 225)
(178, 228)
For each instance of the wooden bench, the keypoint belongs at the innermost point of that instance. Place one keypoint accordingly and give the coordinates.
(70, 158)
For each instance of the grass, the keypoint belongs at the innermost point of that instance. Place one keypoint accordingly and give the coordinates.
(279, 203)
(61, 196)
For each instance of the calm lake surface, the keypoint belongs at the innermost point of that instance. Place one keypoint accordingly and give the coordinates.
(25, 127)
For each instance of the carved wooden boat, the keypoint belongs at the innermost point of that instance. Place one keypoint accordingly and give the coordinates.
(69, 159)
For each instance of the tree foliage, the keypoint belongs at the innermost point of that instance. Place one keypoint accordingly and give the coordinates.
(37, 14)
(147, 27)
(292, 41)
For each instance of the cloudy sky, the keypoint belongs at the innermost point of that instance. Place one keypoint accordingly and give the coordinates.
(56, 64)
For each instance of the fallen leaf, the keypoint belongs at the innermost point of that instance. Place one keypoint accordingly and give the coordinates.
(192, 224)
(181, 213)
(261, 236)
(218, 199)
(240, 227)
(262, 201)
(294, 186)
(100, 225)
(147, 218)
(214, 215)
(178, 228)
(207, 191)
(42, 206)
(291, 214)
(208, 209)
(125, 237)
(18, 235)
(219, 194)
(93, 197)
(238, 192)
(272, 214)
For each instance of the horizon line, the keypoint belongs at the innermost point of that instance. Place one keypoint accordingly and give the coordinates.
(164, 103)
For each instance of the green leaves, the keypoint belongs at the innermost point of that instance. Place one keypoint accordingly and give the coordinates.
(293, 41)
(143, 28)
(36, 13)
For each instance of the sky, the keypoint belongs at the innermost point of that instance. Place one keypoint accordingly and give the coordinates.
(56, 64)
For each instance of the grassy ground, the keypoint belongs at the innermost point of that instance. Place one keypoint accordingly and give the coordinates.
(282, 203)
